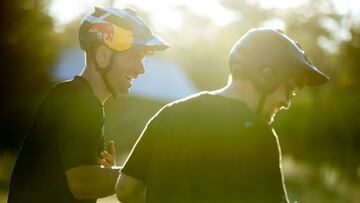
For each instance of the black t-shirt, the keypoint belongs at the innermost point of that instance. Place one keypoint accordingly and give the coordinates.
(207, 149)
(66, 133)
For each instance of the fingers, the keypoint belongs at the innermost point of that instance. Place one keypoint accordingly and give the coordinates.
(111, 148)
(107, 158)
(104, 163)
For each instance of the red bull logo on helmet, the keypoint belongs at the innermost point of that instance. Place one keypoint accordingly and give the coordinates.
(113, 36)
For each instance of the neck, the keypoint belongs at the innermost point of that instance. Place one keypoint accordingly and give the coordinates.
(242, 90)
(96, 83)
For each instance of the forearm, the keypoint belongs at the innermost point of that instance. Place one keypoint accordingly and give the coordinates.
(92, 181)
(101, 181)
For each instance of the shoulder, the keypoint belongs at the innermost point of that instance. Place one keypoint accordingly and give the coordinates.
(186, 102)
(58, 93)
(175, 111)
(75, 91)
(55, 94)
(73, 96)
(76, 86)
(59, 88)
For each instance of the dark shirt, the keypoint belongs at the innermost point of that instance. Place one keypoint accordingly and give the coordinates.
(66, 133)
(207, 149)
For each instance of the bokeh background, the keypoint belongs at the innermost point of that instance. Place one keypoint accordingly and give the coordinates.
(320, 134)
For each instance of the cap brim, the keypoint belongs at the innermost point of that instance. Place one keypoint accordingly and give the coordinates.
(157, 43)
(314, 76)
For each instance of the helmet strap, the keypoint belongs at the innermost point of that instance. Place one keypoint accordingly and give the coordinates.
(104, 71)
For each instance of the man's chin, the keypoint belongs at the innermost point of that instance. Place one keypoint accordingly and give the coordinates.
(124, 91)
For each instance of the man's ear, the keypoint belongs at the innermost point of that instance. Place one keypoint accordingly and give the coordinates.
(268, 74)
(102, 56)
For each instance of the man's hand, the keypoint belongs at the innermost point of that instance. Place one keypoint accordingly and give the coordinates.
(108, 158)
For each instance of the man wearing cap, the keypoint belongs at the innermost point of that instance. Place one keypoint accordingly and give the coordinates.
(62, 158)
(217, 146)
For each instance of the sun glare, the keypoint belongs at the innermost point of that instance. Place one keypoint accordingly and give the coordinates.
(164, 14)
(64, 11)
(167, 14)
(347, 6)
(281, 4)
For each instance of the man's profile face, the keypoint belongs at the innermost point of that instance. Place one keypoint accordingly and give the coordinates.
(127, 66)
(278, 100)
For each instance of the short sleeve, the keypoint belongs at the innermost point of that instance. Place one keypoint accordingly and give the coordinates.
(79, 137)
(137, 164)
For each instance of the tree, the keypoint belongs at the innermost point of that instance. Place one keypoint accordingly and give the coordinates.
(29, 49)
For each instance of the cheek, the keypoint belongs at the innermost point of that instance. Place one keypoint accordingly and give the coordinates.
(127, 65)
(116, 75)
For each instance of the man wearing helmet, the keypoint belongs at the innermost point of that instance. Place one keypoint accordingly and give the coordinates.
(62, 158)
(217, 146)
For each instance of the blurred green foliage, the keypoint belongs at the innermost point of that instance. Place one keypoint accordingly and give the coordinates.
(28, 51)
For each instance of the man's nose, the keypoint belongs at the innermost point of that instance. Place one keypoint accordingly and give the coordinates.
(140, 69)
